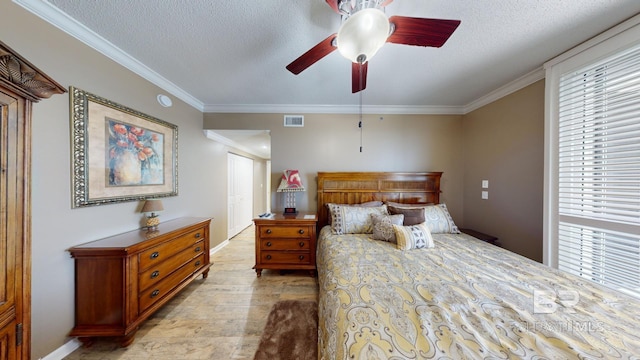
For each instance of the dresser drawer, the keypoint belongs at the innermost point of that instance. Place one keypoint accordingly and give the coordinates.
(282, 257)
(161, 270)
(115, 277)
(285, 231)
(285, 244)
(153, 294)
(159, 253)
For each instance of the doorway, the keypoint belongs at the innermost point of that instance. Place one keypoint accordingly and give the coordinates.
(240, 193)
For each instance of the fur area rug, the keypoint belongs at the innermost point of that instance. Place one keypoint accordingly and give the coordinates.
(291, 332)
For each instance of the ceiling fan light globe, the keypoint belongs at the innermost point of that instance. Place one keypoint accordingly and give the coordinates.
(363, 33)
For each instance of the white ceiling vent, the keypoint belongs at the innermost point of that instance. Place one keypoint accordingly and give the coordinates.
(294, 121)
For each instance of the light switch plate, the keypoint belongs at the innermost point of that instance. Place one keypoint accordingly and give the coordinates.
(485, 195)
(485, 184)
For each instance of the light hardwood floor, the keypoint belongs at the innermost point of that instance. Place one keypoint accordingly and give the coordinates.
(221, 317)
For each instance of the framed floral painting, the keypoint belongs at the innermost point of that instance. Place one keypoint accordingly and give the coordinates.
(119, 154)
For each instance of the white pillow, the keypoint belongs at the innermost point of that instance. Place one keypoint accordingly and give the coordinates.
(353, 219)
(436, 217)
(439, 220)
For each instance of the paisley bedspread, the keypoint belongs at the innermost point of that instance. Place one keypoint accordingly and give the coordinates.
(463, 299)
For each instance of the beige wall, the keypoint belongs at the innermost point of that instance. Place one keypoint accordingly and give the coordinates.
(448, 143)
(332, 143)
(55, 226)
(504, 143)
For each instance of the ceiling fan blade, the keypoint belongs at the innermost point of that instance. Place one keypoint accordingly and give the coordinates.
(324, 48)
(358, 76)
(421, 31)
(334, 5)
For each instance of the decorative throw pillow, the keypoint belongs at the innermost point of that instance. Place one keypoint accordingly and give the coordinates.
(412, 216)
(353, 219)
(437, 217)
(382, 229)
(413, 237)
(439, 220)
(365, 204)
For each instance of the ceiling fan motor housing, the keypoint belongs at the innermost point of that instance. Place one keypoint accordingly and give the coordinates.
(350, 7)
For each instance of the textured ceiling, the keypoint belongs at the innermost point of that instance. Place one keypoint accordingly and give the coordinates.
(231, 55)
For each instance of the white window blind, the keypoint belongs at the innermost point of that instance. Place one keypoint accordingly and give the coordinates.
(599, 171)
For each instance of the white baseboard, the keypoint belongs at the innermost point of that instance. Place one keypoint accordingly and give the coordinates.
(219, 247)
(64, 350)
(74, 344)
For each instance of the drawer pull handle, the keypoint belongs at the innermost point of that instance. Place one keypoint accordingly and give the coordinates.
(268, 231)
(154, 255)
(197, 235)
(268, 243)
(301, 231)
(268, 257)
(198, 263)
(155, 293)
(301, 243)
(155, 274)
(198, 249)
(301, 257)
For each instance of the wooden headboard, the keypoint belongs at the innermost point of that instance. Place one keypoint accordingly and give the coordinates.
(359, 187)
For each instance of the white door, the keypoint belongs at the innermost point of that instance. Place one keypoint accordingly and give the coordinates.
(240, 192)
(268, 187)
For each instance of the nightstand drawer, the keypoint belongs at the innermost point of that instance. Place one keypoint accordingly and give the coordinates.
(285, 231)
(285, 244)
(281, 257)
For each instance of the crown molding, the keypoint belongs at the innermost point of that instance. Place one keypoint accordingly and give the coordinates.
(334, 109)
(64, 22)
(618, 29)
(513, 86)
(213, 135)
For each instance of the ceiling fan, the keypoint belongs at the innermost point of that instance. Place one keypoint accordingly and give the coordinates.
(364, 30)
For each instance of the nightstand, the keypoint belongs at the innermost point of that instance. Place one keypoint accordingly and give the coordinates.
(484, 237)
(286, 242)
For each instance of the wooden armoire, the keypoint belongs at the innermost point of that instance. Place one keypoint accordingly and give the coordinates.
(21, 84)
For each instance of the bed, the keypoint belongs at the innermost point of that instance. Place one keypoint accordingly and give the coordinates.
(460, 299)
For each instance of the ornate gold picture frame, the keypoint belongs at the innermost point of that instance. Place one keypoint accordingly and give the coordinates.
(119, 154)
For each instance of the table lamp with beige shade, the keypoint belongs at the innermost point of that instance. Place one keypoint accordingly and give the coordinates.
(151, 207)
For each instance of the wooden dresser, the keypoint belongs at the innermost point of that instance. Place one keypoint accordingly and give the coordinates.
(286, 242)
(121, 280)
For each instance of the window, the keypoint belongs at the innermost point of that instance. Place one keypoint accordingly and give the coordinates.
(594, 173)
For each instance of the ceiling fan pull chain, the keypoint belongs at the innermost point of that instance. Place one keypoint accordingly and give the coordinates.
(360, 126)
